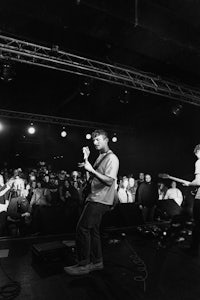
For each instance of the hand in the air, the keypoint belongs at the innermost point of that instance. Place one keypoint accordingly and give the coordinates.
(10, 182)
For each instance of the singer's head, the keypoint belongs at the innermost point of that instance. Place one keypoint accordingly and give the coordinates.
(98, 132)
(100, 139)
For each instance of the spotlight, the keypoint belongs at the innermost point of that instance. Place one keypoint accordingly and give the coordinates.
(176, 110)
(114, 138)
(63, 133)
(85, 87)
(31, 129)
(124, 97)
(54, 49)
(7, 72)
(88, 136)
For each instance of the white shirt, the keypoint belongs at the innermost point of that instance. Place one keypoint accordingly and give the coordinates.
(124, 196)
(175, 194)
(197, 172)
(1, 180)
(19, 186)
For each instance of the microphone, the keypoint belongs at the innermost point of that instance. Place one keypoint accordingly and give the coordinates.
(86, 153)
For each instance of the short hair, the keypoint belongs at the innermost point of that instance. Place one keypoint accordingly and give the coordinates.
(197, 148)
(42, 183)
(98, 132)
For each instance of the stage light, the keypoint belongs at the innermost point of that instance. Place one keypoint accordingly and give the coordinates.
(176, 109)
(7, 72)
(86, 87)
(31, 129)
(54, 49)
(88, 136)
(124, 96)
(114, 138)
(63, 133)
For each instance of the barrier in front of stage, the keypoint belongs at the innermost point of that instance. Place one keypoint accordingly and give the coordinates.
(123, 215)
(169, 207)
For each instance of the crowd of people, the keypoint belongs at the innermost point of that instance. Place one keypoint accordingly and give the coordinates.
(40, 200)
(43, 201)
(147, 192)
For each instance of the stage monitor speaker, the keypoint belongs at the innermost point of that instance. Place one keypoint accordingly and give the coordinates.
(169, 207)
(130, 214)
(50, 251)
(123, 215)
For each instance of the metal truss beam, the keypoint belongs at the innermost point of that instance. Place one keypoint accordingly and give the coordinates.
(25, 52)
(62, 121)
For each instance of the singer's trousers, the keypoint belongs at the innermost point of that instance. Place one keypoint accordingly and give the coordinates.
(88, 240)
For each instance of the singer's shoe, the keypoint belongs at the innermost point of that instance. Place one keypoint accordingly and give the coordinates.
(96, 267)
(82, 270)
(78, 269)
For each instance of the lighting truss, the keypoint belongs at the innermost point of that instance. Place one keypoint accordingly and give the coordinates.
(62, 121)
(25, 52)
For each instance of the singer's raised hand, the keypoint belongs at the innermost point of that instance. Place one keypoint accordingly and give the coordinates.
(86, 152)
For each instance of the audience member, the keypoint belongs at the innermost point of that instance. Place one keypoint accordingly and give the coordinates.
(147, 197)
(124, 194)
(132, 187)
(174, 193)
(162, 189)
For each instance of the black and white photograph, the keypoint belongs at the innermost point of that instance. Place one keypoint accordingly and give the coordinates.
(100, 150)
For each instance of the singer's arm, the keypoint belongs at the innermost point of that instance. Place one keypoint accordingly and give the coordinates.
(104, 178)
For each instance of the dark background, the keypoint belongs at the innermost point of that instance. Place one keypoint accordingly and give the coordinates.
(162, 39)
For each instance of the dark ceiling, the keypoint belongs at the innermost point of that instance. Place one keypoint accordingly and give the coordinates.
(159, 37)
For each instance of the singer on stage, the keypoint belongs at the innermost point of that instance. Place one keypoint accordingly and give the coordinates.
(103, 176)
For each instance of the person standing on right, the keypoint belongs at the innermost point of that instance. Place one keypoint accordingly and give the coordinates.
(194, 247)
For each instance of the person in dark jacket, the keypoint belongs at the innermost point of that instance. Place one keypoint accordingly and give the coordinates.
(147, 198)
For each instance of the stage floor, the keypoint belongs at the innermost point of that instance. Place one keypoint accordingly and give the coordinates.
(135, 268)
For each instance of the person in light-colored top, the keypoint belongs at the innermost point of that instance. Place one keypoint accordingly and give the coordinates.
(123, 193)
(1, 180)
(194, 247)
(132, 187)
(162, 189)
(174, 193)
(103, 177)
(41, 196)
